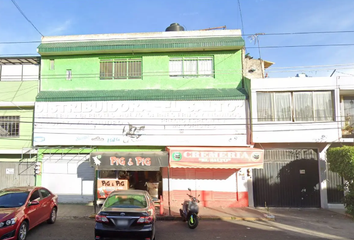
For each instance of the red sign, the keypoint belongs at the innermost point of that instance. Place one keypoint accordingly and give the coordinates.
(200, 157)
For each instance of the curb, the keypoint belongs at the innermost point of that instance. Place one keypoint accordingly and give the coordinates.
(178, 218)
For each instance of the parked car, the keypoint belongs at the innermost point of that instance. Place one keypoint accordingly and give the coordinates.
(126, 214)
(23, 208)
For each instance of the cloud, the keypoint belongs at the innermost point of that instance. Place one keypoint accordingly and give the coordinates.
(60, 29)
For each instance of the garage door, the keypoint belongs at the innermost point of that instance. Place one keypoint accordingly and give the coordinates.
(16, 174)
(69, 176)
(289, 178)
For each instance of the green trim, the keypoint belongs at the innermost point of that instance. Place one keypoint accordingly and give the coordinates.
(57, 48)
(143, 95)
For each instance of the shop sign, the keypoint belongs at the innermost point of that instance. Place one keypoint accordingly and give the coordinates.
(130, 161)
(106, 186)
(141, 123)
(10, 170)
(216, 157)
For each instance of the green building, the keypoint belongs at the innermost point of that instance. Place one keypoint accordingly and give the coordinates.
(113, 107)
(19, 82)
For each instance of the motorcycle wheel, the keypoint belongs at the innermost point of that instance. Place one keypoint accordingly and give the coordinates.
(193, 221)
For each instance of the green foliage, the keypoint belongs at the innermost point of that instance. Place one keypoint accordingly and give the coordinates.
(341, 161)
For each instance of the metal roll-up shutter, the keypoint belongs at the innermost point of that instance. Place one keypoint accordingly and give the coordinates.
(70, 176)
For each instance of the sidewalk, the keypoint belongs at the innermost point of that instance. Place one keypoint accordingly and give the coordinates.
(245, 214)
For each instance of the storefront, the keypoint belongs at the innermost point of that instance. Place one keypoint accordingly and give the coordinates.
(128, 170)
(218, 174)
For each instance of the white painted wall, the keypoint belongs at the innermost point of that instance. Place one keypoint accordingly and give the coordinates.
(19, 73)
(69, 176)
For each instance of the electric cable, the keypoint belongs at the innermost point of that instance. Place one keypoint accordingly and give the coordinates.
(23, 14)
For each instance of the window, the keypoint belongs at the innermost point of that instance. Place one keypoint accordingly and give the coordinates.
(35, 196)
(120, 69)
(189, 67)
(45, 193)
(9, 126)
(68, 74)
(51, 66)
(295, 106)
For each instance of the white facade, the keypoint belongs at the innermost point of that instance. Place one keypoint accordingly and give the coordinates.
(152, 123)
(293, 131)
(314, 134)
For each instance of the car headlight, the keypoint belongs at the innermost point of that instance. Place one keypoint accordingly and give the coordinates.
(8, 222)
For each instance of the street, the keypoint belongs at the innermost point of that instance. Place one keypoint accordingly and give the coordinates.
(283, 228)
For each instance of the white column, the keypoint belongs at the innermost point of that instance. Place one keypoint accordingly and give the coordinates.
(322, 167)
(250, 188)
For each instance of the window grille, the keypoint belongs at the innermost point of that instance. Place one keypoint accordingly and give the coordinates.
(120, 69)
(9, 126)
(191, 67)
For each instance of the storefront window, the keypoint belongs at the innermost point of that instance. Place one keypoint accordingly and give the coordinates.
(107, 174)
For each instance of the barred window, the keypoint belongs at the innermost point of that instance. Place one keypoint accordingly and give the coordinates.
(9, 126)
(191, 67)
(129, 68)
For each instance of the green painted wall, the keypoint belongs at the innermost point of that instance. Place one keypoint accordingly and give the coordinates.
(26, 126)
(24, 91)
(155, 67)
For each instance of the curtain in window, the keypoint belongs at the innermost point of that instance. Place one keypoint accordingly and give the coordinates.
(303, 105)
(176, 68)
(190, 66)
(282, 106)
(205, 66)
(322, 102)
(264, 107)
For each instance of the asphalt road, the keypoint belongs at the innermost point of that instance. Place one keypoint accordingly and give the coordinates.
(284, 228)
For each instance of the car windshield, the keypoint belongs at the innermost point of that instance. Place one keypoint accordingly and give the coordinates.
(12, 199)
(126, 201)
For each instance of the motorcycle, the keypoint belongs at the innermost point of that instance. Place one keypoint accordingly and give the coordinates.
(190, 210)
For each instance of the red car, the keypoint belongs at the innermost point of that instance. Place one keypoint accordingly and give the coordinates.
(23, 208)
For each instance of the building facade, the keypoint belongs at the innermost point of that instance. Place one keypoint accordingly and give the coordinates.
(19, 83)
(295, 120)
(125, 110)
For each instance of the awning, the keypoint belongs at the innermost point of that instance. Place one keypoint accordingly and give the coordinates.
(144, 95)
(129, 161)
(215, 157)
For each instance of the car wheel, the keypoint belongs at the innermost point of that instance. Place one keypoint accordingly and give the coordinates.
(22, 231)
(53, 216)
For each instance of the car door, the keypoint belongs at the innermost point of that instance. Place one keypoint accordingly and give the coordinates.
(34, 211)
(45, 202)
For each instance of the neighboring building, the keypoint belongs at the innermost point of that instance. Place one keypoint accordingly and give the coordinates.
(255, 68)
(295, 120)
(166, 107)
(19, 82)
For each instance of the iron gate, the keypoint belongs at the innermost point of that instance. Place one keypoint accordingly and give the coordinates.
(334, 193)
(289, 179)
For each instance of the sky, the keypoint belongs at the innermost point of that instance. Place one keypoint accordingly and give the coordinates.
(276, 23)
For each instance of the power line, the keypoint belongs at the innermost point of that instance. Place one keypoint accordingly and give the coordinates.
(239, 7)
(19, 9)
(111, 39)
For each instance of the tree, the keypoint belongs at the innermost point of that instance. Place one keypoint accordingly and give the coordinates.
(341, 161)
